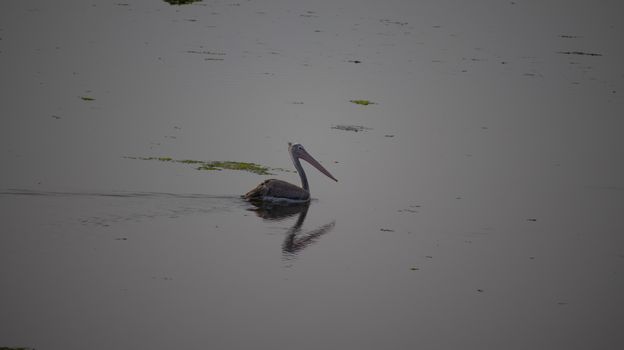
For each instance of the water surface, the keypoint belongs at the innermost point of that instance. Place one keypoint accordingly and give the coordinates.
(479, 198)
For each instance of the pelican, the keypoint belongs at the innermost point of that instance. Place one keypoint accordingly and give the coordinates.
(277, 190)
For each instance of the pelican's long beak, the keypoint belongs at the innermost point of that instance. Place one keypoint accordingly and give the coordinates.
(308, 158)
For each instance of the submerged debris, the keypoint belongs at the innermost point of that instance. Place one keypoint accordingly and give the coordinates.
(411, 209)
(217, 165)
(181, 2)
(308, 14)
(388, 21)
(581, 53)
(354, 128)
(363, 102)
(205, 52)
(211, 54)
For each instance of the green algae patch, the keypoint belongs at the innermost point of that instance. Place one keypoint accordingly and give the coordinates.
(363, 102)
(190, 161)
(216, 165)
(250, 167)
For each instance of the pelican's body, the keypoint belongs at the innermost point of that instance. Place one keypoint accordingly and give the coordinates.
(274, 190)
(279, 190)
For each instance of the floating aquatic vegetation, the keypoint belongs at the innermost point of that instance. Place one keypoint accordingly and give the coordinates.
(354, 128)
(363, 102)
(250, 167)
(181, 2)
(218, 165)
(284, 170)
(190, 161)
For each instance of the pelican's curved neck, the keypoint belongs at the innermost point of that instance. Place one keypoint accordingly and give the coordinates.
(302, 175)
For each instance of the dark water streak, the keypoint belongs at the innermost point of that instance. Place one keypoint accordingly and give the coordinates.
(120, 194)
(174, 205)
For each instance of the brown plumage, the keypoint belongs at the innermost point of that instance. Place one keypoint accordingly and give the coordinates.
(274, 188)
(278, 190)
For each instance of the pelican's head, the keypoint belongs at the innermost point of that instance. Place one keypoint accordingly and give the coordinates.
(297, 151)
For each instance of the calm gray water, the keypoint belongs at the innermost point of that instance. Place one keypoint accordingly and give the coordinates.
(479, 207)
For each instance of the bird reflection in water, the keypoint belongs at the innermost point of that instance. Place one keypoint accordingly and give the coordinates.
(295, 240)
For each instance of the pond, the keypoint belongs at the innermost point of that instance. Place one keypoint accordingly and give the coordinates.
(478, 150)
